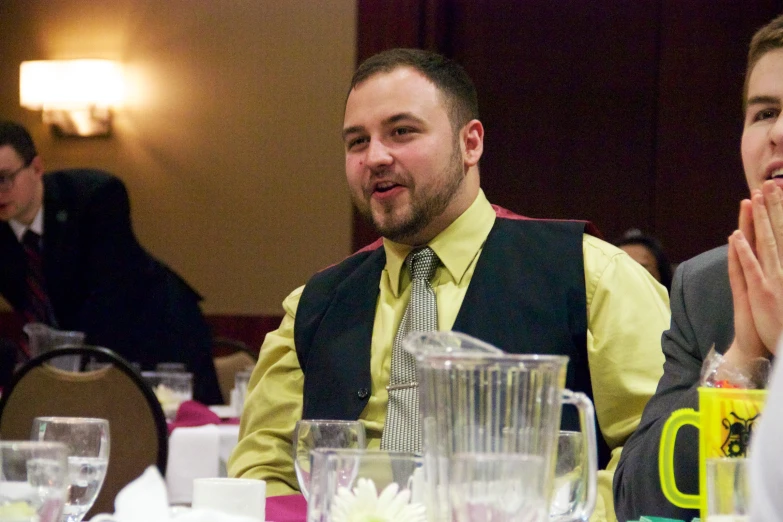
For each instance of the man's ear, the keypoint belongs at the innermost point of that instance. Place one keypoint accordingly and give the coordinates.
(472, 142)
(38, 166)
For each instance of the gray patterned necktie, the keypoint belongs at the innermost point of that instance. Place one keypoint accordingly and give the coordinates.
(402, 431)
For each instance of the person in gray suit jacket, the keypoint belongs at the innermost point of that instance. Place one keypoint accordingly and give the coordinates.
(92, 274)
(730, 297)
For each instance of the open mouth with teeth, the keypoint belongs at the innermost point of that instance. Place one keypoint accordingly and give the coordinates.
(385, 187)
(777, 174)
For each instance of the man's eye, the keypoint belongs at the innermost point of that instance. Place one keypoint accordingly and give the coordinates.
(766, 114)
(356, 142)
(402, 131)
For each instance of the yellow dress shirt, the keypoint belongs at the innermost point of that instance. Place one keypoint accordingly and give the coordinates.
(627, 312)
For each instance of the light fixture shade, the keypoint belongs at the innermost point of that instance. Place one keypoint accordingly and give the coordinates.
(70, 84)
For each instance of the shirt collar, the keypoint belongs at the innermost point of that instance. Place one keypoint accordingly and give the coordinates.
(456, 246)
(36, 226)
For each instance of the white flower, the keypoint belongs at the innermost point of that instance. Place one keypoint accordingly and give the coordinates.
(363, 504)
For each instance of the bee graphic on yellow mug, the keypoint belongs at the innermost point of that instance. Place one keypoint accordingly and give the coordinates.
(738, 437)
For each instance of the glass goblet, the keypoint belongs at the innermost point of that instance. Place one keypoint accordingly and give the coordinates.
(311, 434)
(33, 481)
(88, 457)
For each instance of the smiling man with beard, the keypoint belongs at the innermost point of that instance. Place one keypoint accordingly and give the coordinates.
(412, 147)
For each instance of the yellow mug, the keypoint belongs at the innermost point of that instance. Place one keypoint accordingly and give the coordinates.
(725, 421)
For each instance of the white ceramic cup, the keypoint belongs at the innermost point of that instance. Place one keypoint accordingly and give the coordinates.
(235, 496)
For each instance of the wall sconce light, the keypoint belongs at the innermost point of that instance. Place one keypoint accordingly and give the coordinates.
(76, 96)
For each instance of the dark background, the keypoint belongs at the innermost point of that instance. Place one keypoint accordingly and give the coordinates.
(624, 113)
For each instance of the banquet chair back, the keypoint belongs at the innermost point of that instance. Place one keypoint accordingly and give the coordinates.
(138, 433)
(230, 356)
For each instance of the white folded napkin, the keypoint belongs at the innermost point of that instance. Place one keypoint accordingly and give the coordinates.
(229, 436)
(145, 500)
(193, 453)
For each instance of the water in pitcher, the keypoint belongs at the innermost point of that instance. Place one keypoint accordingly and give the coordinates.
(475, 398)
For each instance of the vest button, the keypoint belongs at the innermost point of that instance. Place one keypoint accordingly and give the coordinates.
(362, 393)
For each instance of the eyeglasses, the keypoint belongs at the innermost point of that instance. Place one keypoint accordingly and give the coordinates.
(7, 180)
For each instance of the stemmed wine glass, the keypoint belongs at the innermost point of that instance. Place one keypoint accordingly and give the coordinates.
(312, 434)
(88, 457)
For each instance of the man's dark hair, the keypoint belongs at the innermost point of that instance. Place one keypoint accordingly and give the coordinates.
(19, 139)
(447, 75)
(768, 38)
(635, 236)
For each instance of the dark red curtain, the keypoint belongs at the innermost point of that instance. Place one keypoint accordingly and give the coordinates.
(625, 113)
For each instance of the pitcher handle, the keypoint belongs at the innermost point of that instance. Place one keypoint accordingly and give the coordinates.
(584, 508)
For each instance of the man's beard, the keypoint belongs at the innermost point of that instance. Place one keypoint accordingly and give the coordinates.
(423, 208)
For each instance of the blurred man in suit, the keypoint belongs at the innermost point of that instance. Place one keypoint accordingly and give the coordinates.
(70, 259)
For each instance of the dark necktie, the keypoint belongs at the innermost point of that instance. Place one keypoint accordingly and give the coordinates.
(402, 431)
(39, 308)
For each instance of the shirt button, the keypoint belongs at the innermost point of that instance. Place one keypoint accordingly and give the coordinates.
(362, 393)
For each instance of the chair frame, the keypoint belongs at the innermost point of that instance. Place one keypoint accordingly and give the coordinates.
(220, 343)
(115, 359)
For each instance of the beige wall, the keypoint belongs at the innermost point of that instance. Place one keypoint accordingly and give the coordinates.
(230, 145)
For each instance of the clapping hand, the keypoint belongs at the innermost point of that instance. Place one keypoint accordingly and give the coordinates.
(756, 273)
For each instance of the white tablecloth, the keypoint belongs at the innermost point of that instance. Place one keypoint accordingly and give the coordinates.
(197, 452)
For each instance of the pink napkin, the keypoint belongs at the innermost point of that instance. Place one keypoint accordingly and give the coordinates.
(193, 413)
(286, 508)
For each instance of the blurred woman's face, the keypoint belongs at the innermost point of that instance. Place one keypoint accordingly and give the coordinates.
(642, 255)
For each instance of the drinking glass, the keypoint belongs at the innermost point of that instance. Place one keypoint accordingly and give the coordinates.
(498, 487)
(728, 489)
(171, 389)
(311, 434)
(241, 380)
(33, 481)
(569, 482)
(355, 484)
(88, 457)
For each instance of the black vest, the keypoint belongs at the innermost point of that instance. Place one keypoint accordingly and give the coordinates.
(545, 314)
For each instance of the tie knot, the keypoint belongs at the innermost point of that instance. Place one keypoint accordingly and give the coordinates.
(422, 263)
(31, 240)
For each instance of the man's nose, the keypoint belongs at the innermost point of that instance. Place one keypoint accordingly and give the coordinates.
(378, 154)
(776, 132)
